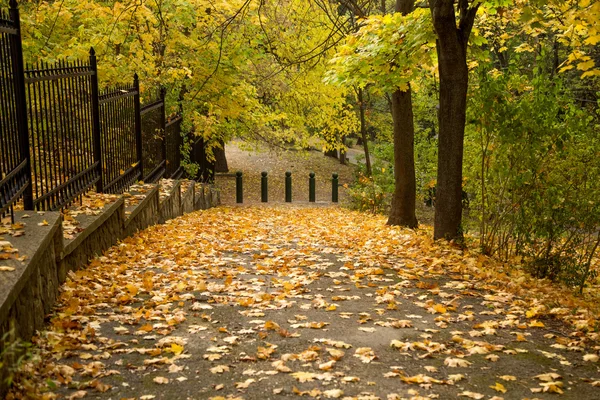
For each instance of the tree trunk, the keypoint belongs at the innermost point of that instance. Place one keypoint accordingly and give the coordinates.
(454, 78)
(405, 188)
(343, 157)
(220, 159)
(363, 130)
(331, 153)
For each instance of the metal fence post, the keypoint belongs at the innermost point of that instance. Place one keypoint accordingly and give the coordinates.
(138, 125)
(163, 125)
(334, 188)
(264, 187)
(96, 119)
(311, 187)
(288, 187)
(239, 190)
(19, 77)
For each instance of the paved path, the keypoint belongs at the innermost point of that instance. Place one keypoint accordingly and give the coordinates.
(269, 303)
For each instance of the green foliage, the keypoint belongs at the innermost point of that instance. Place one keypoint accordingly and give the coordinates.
(388, 51)
(531, 159)
(240, 68)
(14, 352)
(373, 193)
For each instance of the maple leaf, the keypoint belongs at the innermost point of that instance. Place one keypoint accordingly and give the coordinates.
(327, 365)
(302, 376)
(499, 387)
(77, 395)
(219, 369)
(365, 354)
(161, 380)
(333, 393)
(471, 395)
(245, 384)
(456, 362)
(456, 377)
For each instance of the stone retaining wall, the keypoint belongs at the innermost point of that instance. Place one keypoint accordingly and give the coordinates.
(28, 293)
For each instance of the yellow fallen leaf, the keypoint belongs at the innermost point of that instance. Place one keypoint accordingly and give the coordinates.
(439, 308)
(176, 349)
(6, 269)
(219, 369)
(472, 395)
(333, 393)
(133, 290)
(245, 384)
(327, 365)
(536, 324)
(499, 387)
(456, 362)
(161, 380)
(302, 376)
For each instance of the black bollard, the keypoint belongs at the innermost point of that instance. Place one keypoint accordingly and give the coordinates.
(264, 187)
(334, 188)
(311, 187)
(239, 190)
(288, 187)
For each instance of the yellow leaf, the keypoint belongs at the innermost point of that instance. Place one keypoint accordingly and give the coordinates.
(536, 324)
(499, 387)
(176, 349)
(439, 308)
(160, 380)
(584, 66)
(133, 290)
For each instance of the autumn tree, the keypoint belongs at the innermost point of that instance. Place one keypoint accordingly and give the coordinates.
(405, 189)
(452, 43)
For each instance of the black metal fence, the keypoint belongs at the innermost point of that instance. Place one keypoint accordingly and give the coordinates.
(60, 136)
(62, 132)
(15, 175)
(153, 138)
(174, 141)
(121, 133)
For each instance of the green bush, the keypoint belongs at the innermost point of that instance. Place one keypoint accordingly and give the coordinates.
(372, 193)
(532, 158)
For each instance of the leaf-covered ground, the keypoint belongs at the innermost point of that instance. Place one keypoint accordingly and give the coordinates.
(283, 302)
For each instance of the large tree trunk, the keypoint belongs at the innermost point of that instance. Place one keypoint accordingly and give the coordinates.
(363, 130)
(405, 189)
(220, 159)
(454, 79)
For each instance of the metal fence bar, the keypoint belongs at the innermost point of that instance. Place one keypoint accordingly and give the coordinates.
(96, 118)
(15, 176)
